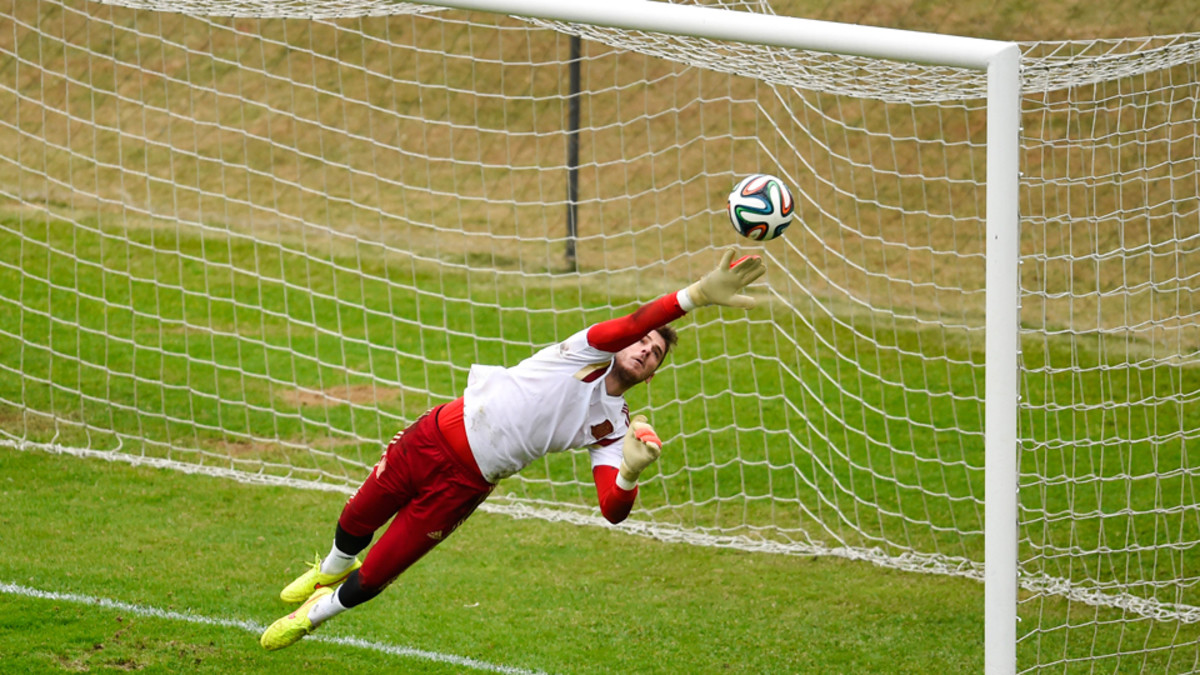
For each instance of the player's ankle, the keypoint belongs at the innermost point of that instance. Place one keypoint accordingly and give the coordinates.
(326, 608)
(353, 592)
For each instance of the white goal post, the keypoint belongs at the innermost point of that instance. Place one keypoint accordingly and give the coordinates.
(254, 238)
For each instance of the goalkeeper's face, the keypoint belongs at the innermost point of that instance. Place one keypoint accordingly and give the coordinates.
(637, 362)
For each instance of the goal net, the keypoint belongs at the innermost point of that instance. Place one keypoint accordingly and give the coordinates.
(255, 239)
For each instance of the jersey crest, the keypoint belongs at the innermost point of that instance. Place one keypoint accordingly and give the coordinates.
(601, 430)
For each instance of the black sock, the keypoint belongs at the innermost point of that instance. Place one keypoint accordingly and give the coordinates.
(348, 543)
(352, 593)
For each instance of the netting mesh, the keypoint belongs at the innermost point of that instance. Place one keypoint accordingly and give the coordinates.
(1111, 243)
(258, 246)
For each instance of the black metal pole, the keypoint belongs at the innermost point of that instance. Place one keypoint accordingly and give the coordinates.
(573, 154)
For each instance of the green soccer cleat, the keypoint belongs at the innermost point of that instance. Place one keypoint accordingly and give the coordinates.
(306, 583)
(286, 631)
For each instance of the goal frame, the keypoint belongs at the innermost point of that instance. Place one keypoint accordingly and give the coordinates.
(1001, 61)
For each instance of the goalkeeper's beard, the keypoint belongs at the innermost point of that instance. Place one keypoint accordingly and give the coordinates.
(624, 377)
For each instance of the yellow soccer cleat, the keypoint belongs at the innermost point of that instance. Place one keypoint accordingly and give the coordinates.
(286, 631)
(306, 583)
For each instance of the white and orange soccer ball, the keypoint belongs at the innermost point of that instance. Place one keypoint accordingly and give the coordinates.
(761, 207)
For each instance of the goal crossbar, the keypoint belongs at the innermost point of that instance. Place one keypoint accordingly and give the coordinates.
(762, 29)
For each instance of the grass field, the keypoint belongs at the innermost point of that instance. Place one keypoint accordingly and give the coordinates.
(513, 593)
(500, 590)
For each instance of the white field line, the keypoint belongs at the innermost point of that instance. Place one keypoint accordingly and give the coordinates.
(257, 629)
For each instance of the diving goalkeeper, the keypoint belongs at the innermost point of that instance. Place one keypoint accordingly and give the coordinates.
(436, 472)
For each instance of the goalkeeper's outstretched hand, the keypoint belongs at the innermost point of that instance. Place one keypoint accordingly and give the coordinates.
(723, 285)
(642, 448)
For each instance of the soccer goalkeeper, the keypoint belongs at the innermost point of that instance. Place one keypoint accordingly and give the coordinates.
(435, 473)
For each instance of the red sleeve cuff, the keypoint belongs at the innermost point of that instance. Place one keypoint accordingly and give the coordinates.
(615, 503)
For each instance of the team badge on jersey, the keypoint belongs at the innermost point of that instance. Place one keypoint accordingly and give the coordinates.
(601, 430)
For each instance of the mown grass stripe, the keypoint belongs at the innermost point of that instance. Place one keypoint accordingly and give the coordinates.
(256, 628)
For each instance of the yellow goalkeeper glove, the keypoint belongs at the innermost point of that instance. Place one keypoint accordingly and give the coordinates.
(723, 285)
(641, 449)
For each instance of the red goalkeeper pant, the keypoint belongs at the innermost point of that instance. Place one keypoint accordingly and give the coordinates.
(430, 484)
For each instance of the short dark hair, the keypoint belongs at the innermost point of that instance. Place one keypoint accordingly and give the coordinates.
(669, 336)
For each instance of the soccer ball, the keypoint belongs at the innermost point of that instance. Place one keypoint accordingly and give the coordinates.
(761, 207)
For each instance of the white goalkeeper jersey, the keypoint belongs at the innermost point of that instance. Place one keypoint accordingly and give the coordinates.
(552, 401)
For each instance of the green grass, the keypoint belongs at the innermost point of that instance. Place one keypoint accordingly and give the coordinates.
(517, 593)
(282, 292)
(166, 354)
(161, 343)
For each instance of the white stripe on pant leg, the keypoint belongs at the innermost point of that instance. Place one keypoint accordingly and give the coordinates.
(255, 628)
